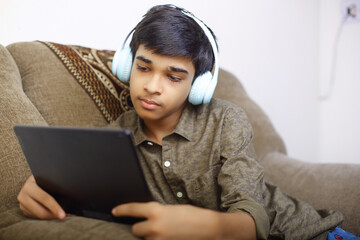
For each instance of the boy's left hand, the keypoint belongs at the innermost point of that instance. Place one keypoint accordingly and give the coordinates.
(171, 221)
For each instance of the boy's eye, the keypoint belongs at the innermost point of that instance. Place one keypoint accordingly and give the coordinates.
(173, 78)
(141, 68)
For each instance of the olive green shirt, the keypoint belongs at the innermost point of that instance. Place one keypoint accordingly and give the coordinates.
(209, 161)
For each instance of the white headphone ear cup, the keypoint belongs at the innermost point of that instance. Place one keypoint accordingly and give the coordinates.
(199, 88)
(115, 61)
(210, 90)
(122, 64)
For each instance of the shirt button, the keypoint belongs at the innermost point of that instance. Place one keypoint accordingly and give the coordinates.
(150, 143)
(167, 164)
(179, 194)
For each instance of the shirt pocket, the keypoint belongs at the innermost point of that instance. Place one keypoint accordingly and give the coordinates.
(203, 189)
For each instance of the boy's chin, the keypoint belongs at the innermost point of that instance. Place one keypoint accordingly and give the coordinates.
(147, 115)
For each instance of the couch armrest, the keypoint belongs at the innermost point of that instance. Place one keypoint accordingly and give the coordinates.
(322, 185)
(15, 108)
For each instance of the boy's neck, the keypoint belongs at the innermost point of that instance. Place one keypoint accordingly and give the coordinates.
(156, 131)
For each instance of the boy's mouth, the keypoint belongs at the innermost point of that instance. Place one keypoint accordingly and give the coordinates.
(149, 103)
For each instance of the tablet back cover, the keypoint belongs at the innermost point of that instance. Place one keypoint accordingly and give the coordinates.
(88, 170)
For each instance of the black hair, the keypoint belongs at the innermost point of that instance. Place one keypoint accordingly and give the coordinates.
(166, 30)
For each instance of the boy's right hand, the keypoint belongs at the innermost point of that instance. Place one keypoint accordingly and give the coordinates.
(36, 203)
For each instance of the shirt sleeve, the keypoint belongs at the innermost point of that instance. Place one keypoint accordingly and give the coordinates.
(241, 177)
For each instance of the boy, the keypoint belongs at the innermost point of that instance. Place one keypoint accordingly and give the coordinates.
(198, 161)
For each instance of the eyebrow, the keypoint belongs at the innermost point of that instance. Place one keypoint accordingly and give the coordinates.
(175, 69)
(144, 59)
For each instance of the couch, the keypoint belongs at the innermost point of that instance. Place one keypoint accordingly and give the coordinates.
(44, 83)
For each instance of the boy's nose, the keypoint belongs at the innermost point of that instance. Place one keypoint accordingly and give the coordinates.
(154, 85)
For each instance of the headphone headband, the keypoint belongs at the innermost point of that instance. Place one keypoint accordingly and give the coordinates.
(210, 38)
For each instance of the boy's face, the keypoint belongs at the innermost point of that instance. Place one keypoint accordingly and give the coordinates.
(160, 85)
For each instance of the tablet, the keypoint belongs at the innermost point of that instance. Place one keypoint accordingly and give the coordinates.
(88, 171)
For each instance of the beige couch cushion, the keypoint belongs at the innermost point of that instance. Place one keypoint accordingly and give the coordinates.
(266, 139)
(15, 226)
(19, 110)
(322, 185)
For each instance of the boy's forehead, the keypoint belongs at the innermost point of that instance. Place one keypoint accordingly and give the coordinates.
(152, 52)
(150, 56)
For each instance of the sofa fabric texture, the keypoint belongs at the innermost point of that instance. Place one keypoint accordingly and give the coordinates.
(15, 226)
(38, 88)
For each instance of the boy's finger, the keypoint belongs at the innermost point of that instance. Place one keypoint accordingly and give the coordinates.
(143, 210)
(33, 209)
(52, 206)
(25, 211)
(129, 209)
(39, 200)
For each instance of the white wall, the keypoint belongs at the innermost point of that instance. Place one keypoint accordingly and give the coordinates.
(272, 46)
(340, 113)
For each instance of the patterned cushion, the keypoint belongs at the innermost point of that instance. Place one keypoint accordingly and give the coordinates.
(92, 69)
(70, 85)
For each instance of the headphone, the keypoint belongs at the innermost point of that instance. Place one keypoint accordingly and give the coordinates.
(203, 86)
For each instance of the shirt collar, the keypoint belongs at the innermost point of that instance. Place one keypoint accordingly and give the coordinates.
(138, 133)
(184, 128)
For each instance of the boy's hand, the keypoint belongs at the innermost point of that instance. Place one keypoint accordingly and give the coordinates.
(36, 203)
(171, 221)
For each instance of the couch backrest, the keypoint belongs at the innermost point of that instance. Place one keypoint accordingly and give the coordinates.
(42, 84)
(266, 138)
